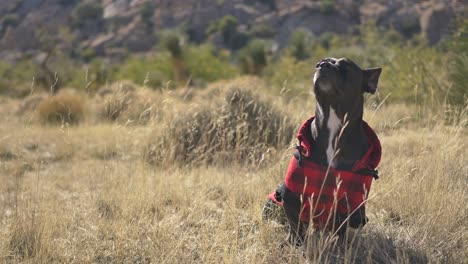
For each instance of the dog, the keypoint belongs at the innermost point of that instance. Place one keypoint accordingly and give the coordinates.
(329, 177)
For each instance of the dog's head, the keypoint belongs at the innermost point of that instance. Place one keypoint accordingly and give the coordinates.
(339, 81)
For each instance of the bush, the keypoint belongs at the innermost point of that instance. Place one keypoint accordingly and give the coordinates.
(299, 44)
(253, 58)
(228, 28)
(154, 71)
(147, 12)
(26, 241)
(114, 106)
(61, 108)
(10, 20)
(289, 73)
(87, 11)
(172, 42)
(202, 64)
(458, 68)
(125, 103)
(270, 3)
(262, 31)
(327, 7)
(242, 130)
(16, 79)
(212, 27)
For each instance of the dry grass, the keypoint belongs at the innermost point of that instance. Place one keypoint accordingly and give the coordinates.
(125, 103)
(242, 128)
(61, 109)
(86, 193)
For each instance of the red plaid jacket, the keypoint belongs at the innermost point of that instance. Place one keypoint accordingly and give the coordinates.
(338, 193)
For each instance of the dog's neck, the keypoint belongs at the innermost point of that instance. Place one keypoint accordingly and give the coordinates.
(339, 137)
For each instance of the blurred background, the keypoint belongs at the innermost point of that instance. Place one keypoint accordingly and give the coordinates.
(422, 45)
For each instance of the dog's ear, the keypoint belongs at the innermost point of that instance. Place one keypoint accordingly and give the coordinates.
(371, 78)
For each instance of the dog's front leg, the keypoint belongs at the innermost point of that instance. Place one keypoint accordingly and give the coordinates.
(292, 208)
(297, 229)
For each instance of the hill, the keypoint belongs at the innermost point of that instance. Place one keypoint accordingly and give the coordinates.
(114, 27)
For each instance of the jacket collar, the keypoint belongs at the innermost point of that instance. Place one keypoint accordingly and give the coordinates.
(371, 158)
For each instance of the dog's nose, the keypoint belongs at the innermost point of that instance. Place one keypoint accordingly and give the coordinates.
(324, 64)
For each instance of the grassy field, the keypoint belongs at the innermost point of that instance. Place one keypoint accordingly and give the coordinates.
(121, 186)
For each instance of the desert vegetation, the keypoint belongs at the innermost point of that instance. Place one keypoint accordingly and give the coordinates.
(168, 155)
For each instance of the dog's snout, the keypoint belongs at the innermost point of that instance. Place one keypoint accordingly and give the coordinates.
(325, 64)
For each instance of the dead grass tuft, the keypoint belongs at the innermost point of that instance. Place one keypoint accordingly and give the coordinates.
(62, 108)
(25, 241)
(125, 103)
(244, 128)
(107, 209)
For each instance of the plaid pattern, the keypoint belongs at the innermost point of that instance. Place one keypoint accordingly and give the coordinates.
(338, 193)
(323, 194)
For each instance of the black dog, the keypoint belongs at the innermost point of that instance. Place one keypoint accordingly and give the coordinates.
(330, 175)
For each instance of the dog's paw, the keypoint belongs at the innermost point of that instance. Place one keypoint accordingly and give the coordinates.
(273, 212)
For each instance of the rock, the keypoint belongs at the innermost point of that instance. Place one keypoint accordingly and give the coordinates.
(115, 8)
(436, 22)
(405, 21)
(121, 26)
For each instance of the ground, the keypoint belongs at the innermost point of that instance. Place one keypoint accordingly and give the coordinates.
(86, 193)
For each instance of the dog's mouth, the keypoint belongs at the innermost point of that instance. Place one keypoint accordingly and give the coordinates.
(324, 82)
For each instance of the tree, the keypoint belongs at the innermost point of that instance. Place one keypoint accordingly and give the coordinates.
(172, 42)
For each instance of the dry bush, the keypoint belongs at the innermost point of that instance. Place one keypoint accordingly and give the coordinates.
(115, 100)
(107, 209)
(125, 103)
(243, 128)
(61, 108)
(25, 241)
(29, 104)
(28, 242)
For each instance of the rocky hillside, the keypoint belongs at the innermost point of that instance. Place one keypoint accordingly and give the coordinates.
(113, 27)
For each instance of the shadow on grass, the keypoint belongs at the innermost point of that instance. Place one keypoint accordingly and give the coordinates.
(366, 246)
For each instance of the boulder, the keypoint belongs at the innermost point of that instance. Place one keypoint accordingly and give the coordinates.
(436, 22)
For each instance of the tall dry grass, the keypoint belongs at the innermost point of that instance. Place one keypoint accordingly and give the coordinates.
(87, 193)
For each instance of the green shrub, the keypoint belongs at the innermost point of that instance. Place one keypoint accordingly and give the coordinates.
(147, 12)
(238, 41)
(172, 42)
(262, 31)
(202, 64)
(23, 71)
(458, 68)
(10, 20)
(299, 44)
(253, 58)
(212, 27)
(87, 11)
(327, 7)
(154, 70)
(228, 28)
(270, 3)
(287, 72)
